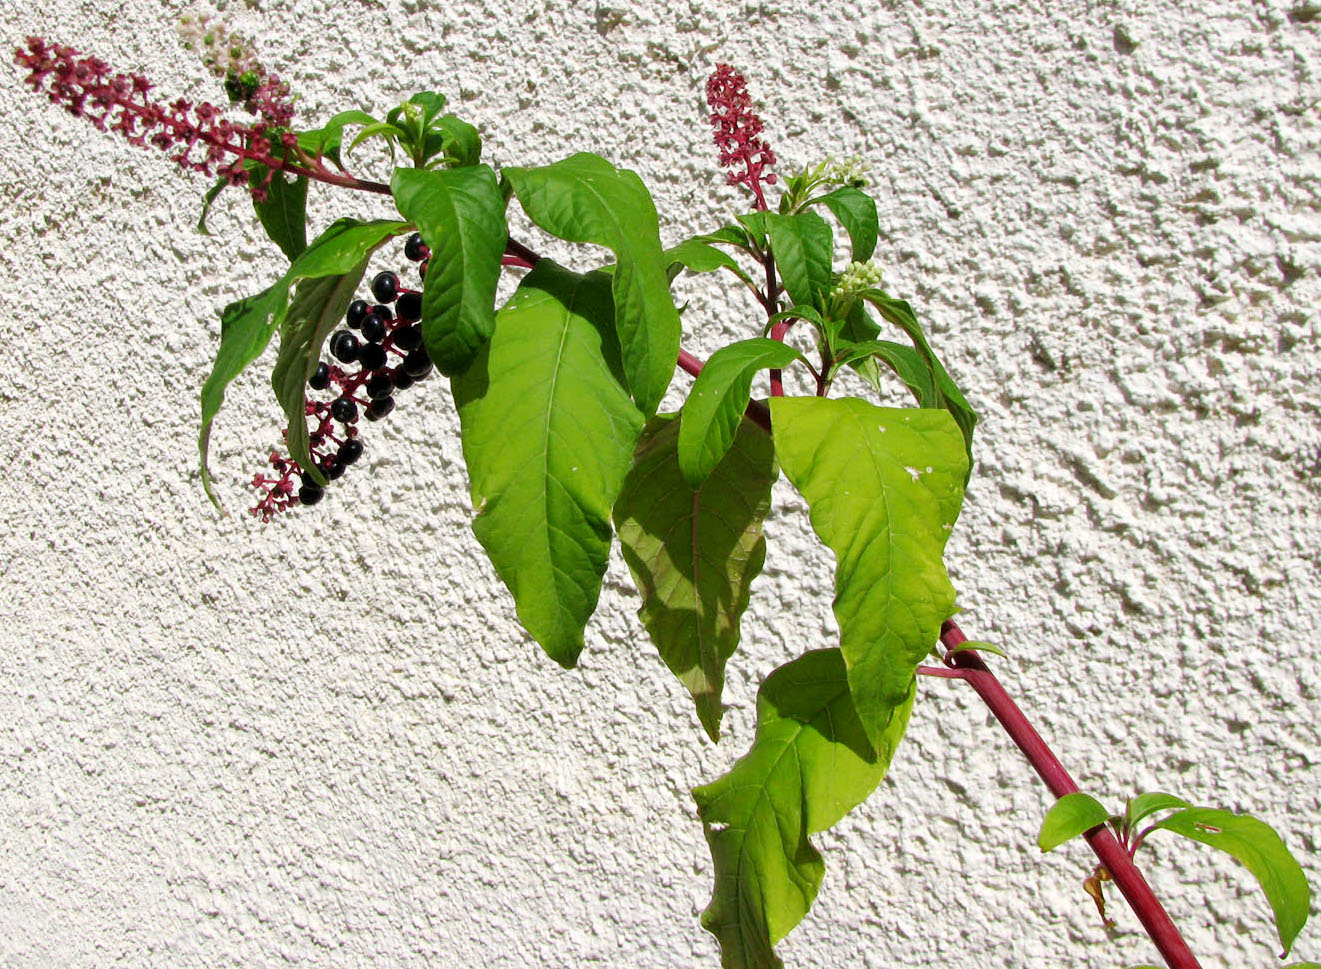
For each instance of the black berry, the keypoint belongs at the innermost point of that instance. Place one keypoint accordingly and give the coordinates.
(349, 452)
(385, 286)
(344, 346)
(384, 312)
(379, 408)
(321, 379)
(380, 385)
(401, 378)
(372, 356)
(357, 310)
(332, 468)
(408, 337)
(418, 363)
(409, 307)
(311, 492)
(415, 249)
(422, 268)
(373, 328)
(344, 410)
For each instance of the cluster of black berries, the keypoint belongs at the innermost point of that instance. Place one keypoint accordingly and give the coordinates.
(386, 344)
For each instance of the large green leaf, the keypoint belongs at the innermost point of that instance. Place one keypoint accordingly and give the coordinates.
(803, 249)
(695, 551)
(1261, 850)
(718, 398)
(884, 487)
(246, 326)
(856, 212)
(1069, 817)
(811, 762)
(548, 434)
(461, 214)
(586, 199)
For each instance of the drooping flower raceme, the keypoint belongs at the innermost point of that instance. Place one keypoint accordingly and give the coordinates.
(738, 132)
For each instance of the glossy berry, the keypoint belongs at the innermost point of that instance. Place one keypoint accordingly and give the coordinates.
(401, 378)
(415, 249)
(408, 337)
(311, 492)
(332, 468)
(422, 268)
(344, 346)
(372, 356)
(385, 286)
(379, 408)
(417, 364)
(357, 310)
(321, 379)
(409, 307)
(373, 328)
(344, 410)
(384, 312)
(380, 385)
(349, 452)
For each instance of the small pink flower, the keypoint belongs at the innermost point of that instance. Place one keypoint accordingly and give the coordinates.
(737, 132)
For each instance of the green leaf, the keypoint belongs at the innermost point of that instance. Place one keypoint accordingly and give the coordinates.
(1260, 849)
(803, 248)
(978, 646)
(1145, 805)
(548, 434)
(907, 363)
(1302, 965)
(319, 303)
(811, 762)
(460, 141)
(462, 210)
(702, 257)
(284, 213)
(327, 140)
(586, 199)
(694, 552)
(246, 327)
(901, 315)
(208, 200)
(856, 212)
(884, 487)
(1069, 817)
(245, 331)
(718, 398)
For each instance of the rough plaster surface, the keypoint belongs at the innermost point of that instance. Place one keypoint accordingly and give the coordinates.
(326, 742)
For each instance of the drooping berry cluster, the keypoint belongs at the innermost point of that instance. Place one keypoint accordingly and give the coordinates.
(737, 132)
(386, 345)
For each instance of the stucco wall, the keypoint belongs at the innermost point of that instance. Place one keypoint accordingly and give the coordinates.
(326, 742)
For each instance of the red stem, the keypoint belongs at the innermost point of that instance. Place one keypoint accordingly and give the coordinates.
(1126, 875)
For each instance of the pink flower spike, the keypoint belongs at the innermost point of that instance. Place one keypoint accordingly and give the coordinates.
(737, 132)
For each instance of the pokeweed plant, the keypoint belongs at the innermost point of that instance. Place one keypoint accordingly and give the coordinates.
(558, 391)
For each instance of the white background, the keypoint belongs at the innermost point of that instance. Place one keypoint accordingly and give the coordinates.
(326, 742)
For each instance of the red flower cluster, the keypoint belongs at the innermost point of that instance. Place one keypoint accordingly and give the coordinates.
(737, 131)
(199, 135)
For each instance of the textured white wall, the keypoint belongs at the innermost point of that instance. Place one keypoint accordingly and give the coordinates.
(326, 742)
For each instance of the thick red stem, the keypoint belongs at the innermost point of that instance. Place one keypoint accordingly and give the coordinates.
(1126, 875)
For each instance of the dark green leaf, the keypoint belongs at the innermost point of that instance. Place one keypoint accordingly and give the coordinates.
(810, 764)
(856, 212)
(460, 141)
(884, 487)
(1260, 849)
(548, 434)
(803, 249)
(461, 214)
(284, 212)
(245, 330)
(1070, 816)
(694, 552)
(719, 396)
(586, 199)
(1145, 805)
(326, 141)
(906, 362)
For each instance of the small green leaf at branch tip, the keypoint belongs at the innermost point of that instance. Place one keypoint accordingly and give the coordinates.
(584, 198)
(1145, 805)
(884, 487)
(1070, 816)
(978, 646)
(1261, 850)
(811, 763)
(717, 400)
